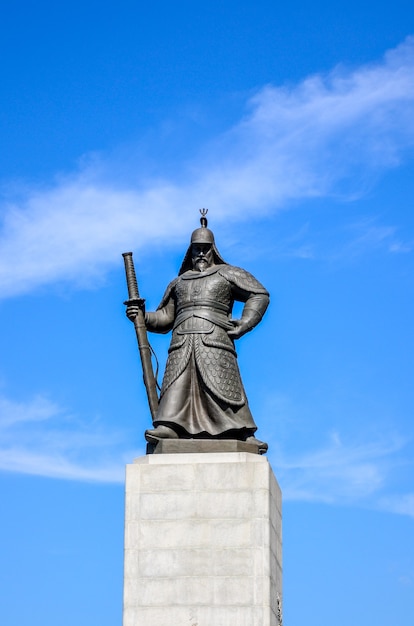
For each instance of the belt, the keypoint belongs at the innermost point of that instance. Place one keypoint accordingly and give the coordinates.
(218, 318)
(203, 304)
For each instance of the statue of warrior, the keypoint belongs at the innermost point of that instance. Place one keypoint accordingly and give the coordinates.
(202, 395)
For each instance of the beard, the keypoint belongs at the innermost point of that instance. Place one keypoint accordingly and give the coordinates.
(201, 264)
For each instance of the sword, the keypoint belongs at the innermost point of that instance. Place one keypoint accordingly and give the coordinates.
(141, 332)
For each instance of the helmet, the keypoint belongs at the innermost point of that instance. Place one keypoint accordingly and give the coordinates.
(201, 235)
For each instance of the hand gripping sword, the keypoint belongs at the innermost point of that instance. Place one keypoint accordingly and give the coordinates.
(141, 332)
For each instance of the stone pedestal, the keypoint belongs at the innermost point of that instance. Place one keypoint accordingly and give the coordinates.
(202, 541)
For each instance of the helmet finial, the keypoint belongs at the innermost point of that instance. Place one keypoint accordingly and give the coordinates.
(202, 234)
(203, 219)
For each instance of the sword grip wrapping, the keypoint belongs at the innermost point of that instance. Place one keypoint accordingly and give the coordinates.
(133, 293)
(141, 333)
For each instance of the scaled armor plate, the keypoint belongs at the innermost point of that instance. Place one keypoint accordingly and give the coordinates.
(203, 303)
(215, 362)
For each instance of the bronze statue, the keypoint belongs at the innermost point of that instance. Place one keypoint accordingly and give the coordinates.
(202, 395)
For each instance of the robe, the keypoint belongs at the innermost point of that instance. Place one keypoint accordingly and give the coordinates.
(202, 394)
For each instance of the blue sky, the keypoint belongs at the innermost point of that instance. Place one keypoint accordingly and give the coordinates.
(294, 125)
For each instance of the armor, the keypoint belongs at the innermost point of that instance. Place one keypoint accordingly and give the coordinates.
(202, 393)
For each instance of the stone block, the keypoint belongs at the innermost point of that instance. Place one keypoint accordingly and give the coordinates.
(202, 540)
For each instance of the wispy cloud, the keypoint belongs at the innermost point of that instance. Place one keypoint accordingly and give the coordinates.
(402, 504)
(327, 135)
(369, 235)
(39, 409)
(342, 243)
(346, 473)
(40, 438)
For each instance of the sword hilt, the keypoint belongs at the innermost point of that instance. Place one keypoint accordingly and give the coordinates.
(133, 292)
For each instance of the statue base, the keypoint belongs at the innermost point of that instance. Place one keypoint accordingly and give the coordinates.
(202, 540)
(195, 446)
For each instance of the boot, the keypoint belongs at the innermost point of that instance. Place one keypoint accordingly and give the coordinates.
(161, 432)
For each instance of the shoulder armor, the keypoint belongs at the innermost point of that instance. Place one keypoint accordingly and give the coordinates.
(242, 279)
(167, 294)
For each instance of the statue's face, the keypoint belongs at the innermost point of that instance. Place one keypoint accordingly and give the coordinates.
(202, 256)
